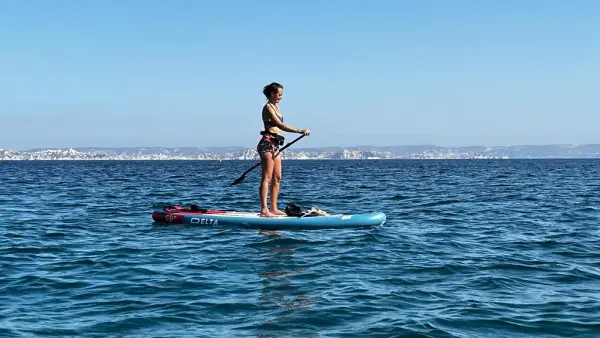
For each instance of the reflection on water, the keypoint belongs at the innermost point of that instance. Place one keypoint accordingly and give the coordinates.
(280, 295)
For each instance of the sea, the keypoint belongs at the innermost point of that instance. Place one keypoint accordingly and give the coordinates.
(471, 248)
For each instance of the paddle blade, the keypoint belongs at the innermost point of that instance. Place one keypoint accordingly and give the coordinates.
(239, 180)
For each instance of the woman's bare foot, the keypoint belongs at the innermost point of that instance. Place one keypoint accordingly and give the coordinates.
(278, 212)
(266, 213)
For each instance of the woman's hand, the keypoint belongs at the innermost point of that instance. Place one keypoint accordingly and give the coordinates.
(306, 132)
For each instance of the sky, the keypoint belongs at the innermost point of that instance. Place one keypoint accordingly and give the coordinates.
(190, 73)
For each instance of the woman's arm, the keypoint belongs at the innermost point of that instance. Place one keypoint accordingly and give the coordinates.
(277, 122)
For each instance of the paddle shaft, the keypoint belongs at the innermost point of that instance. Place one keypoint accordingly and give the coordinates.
(239, 180)
(277, 154)
(287, 145)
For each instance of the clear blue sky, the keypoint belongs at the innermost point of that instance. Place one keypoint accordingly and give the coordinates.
(190, 73)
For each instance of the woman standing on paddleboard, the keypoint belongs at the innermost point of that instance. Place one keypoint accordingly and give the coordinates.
(268, 146)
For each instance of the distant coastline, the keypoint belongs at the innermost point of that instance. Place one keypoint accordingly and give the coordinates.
(323, 153)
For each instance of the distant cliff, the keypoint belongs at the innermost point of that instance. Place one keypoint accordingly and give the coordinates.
(349, 153)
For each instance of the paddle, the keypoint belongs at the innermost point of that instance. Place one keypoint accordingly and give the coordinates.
(241, 178)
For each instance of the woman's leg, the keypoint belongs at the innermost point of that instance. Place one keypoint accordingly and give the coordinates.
(266, 164)
(276, 180)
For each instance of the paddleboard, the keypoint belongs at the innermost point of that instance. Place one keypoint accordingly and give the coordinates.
(253, 220)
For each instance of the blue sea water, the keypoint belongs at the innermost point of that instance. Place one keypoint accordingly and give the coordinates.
(482, 248)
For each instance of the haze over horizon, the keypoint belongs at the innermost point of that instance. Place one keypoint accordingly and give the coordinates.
(386, 73)
(299, 147)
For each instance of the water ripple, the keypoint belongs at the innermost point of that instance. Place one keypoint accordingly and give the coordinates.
(471, 249)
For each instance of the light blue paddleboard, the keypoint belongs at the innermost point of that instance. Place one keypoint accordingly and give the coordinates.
(252, 220)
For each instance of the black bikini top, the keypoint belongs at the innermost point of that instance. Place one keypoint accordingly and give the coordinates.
(270, 123)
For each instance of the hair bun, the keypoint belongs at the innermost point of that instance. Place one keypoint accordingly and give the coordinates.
(270, 88)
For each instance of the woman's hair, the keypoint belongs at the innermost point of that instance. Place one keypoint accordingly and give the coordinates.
(270, 88)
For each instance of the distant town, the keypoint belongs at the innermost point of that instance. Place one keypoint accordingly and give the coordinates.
(324, 153)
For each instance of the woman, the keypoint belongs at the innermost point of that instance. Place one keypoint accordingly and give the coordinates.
(268, 146)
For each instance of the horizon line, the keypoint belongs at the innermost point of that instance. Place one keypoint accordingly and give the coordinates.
(327, 146)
